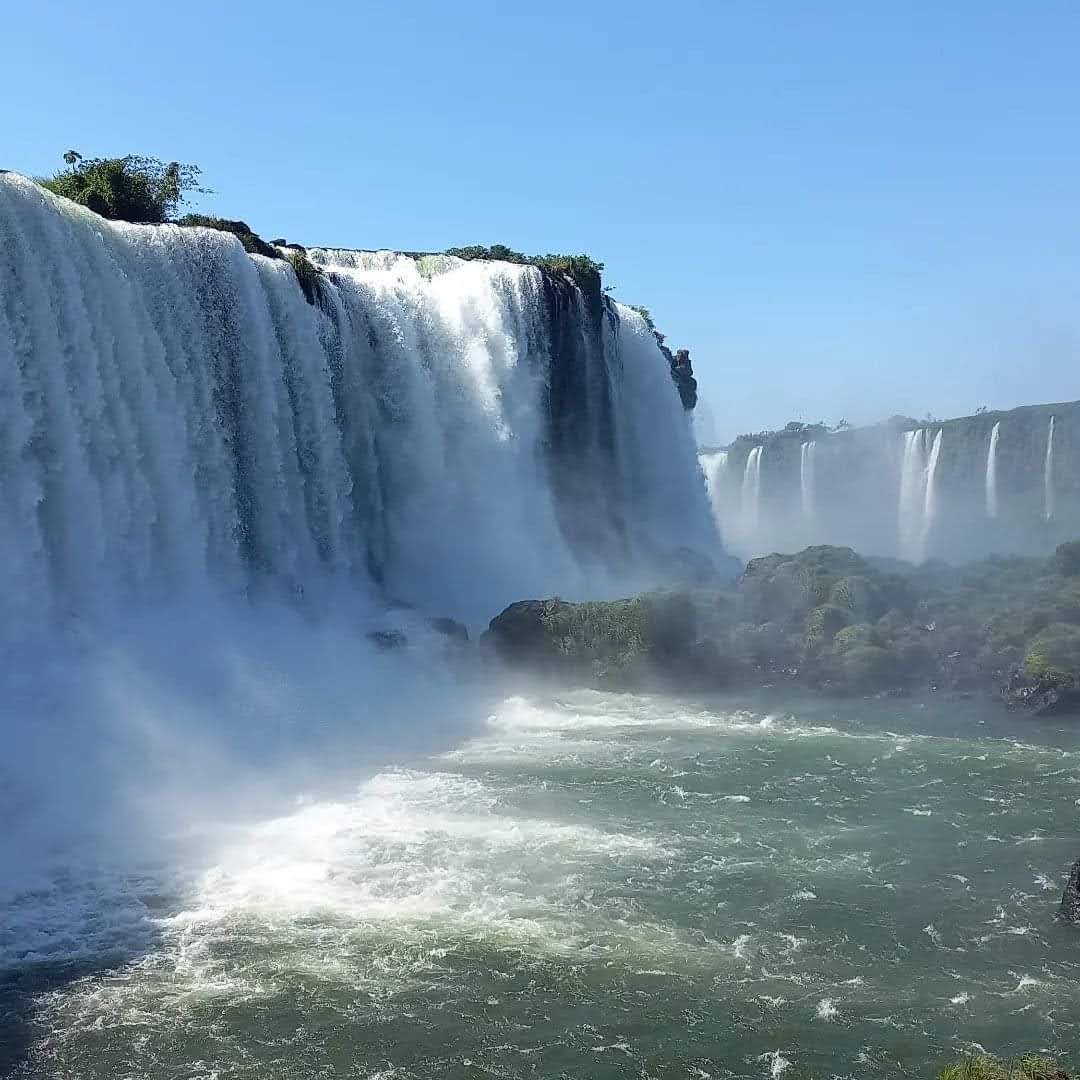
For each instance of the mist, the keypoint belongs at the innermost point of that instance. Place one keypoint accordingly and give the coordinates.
(995, 482)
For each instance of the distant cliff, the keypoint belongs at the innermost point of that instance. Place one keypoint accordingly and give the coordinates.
(954, 489)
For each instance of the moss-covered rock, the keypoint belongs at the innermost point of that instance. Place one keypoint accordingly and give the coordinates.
(828, 618)
(984, 1067)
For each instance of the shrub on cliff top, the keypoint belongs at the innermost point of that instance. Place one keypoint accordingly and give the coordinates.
(582, 269)
(132, 188)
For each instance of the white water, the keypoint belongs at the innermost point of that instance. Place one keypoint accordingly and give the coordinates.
(211, 490)
(714, 466)
(1048, 473)
(751, 494)
(807, 482)
(930, 503)
(912, 495)
(177, 418)
(991, 472)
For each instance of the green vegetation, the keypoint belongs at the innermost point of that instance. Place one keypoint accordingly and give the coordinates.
(146, 191)
(583, 270)
(829, 619)
(645, 314)
(1053, 655)
(982, 1067)
(307, 274)
(132, 188)
(252, 242)
(601, 634)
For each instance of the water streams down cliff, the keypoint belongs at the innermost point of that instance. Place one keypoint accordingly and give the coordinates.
(176, 418)
(953, 489)
(225, 508)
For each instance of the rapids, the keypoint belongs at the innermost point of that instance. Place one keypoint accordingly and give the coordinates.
(603, 885)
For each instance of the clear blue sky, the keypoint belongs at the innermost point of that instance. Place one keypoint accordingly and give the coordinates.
(845, 209)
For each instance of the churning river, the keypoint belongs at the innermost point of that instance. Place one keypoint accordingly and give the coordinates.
(597, 885)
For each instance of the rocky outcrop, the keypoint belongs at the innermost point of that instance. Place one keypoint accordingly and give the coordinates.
(828, 619)
(1070, 902)
(1038, 696)
(647, 639)
(682, 372)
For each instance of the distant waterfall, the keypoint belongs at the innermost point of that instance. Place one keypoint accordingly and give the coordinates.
(1048, 474)
(991, 473)
(174, 416)
(807, 481)
(912, 495)
(714, 466)
(751, 496)
(930, 503)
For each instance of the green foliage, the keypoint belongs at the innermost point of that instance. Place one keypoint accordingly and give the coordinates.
(645, 314)
(859, 595)
(132, 188)
(1053, 655)
(307, 275)
(602, 632)
(868, 667)
(582, 269)
(823, 624)
(252, 242)
(851, 637)
(829, 618)
(983, 1067)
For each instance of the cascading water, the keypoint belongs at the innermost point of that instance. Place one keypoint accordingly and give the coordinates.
(930, 505)
(751, 497)
(1048, 473)
(991, 472)
(912, 494)
(714, 466)
(215, 495)
(807, 480)
(177, 418)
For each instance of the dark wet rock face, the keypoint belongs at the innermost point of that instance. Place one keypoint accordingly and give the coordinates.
(1070, 902)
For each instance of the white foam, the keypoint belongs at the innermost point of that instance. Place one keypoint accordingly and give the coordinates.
(827, 1010)
(778, 1064)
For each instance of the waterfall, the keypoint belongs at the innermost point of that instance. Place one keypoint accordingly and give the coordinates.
(930, 507)
(991, 473)
(912, 494)
(714, 466)
(1048, 474)
(807, 482)
(751, 497)
(178, 419)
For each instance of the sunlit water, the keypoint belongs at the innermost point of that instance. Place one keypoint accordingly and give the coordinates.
(601, 886)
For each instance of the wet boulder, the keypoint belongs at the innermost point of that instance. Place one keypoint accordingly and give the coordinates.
(1070, 902)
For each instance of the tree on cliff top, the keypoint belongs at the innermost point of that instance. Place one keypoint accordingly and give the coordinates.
(132, 188)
